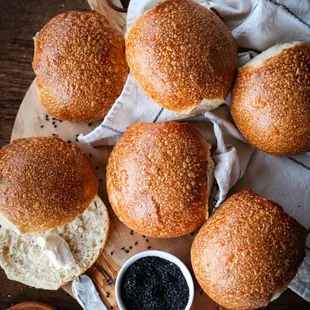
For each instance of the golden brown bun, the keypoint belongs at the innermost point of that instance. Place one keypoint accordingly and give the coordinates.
(157, 179)
(80, 65)
(31, 305)
(248, 251)
(181, 53)
(271, 101)
(44, 183)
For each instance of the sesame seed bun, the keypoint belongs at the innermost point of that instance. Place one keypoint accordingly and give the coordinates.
(271, 100)
(31, 305)
(80, 64)
(157, 179)
(183, 56)
(248, 251)
(44, 183)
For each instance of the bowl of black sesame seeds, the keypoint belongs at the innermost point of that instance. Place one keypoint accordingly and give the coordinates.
(154, 280)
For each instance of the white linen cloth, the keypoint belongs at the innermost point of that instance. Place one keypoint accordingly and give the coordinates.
(256, 25)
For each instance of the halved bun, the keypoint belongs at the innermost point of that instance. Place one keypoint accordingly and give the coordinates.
(247, 252)
(157, 179)
(44, 183)
(80, 64)
(183, 56)
(271, 100)
(24, 261)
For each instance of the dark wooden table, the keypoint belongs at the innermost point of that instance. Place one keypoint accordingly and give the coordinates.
(19, 22)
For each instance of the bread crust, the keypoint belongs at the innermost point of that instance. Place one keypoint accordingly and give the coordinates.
(80, 64)
(157, 179)
(271, 102)
(33, 305)
(248, 251)
(181, 53)
(102, 248)
(44, 183)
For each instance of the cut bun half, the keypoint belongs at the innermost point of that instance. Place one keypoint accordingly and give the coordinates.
(23, 260)
(44, 183)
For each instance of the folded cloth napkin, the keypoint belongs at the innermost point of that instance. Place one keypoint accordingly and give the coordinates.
(256, 25)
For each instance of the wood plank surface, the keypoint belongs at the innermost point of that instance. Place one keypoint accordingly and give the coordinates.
(19, 22)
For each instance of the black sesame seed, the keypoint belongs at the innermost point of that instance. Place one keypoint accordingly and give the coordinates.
(97, 167)
(69, 141)
(76, 139)
(59, 120)
(47, 117)
(150, 277)
(143, 236)
(149, 247)
(200, 292)
(192, 234)
(147, 240)
(90, 155)
(136, 243)
(42, 126)
(55, 126)
(127, 251)
(55, 135)
(53, 123)
(54, 119)
(123, 248)
(100, 180)
(131, 232)
(90, 123)
(130, 247)
(111, 253)
(111, 307)
(77, 134)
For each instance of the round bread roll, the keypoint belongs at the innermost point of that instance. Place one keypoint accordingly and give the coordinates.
(31, 305)
(248, 252)
(44, 183)
(271, 100)
(157, 179)
(53, 226)
(80, 64)
(183, 56)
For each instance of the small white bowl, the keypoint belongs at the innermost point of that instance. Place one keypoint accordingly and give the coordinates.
(163, 255)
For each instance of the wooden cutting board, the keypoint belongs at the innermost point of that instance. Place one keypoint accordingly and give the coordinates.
(122, 243)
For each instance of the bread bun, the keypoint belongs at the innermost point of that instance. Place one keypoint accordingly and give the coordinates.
(248, 251)
(31, 305)
(157, 179)
(44, 183)
(183, 56)
(23, 260)
(271, 100)
(80, 64)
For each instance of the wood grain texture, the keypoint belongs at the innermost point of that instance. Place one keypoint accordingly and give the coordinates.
(19, 22)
